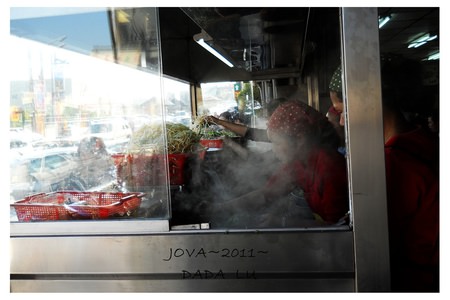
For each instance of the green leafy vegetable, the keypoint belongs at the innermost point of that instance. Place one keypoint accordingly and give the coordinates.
(209, 131)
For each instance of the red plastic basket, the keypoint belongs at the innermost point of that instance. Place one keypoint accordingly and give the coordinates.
(140, 170)
(67, 205)
(118, 158)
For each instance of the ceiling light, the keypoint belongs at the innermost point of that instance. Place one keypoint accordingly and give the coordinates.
(383, 20)
(432, 38)
(422, 40)
(202, 39)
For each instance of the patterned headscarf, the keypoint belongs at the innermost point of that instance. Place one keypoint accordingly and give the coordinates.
(336, 81)
(295, 118)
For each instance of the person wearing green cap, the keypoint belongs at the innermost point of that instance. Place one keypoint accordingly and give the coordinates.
(335, 112)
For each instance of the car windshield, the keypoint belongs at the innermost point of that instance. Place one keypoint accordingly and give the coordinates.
(100, 128)
(35, 164)
(54, 161)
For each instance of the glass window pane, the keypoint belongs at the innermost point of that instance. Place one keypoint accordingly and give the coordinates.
(177, 102)
(80, 78)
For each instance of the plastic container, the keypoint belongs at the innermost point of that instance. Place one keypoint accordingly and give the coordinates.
(68, 205)
(212, 143)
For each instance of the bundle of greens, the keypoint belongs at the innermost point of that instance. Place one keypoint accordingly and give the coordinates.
(150, 139)
(199, 124)
(209, 131)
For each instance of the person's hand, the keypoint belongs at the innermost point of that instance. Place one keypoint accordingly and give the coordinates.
(212, 120)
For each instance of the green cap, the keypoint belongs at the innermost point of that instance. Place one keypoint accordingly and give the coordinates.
(336, 81)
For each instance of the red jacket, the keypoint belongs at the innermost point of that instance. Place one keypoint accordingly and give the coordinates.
(412, 183)
(324, 182)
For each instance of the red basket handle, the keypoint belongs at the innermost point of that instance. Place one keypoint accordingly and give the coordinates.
(126, 198)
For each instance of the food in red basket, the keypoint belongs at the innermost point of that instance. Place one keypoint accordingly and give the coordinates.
(211, 135)
(145, 163)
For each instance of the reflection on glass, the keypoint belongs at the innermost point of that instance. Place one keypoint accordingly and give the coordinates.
(217, 98)
(74, 112)
(83, 30)
(177, 102)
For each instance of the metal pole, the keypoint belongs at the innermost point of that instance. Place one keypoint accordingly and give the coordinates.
(365, 146)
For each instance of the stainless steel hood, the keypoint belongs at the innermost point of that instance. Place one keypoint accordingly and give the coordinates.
(257, 40)
(288, 41)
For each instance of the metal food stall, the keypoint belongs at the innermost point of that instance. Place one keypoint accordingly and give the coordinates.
(122, 68)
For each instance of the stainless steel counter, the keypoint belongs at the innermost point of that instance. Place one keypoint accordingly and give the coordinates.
(185, 261)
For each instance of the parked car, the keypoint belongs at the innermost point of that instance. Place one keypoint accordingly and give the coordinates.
(137, 121)
(115, 132)
(45, 171)
(110, 129)
(180, 117)
(23, 141)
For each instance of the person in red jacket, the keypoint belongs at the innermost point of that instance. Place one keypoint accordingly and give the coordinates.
(310, 188)
(306, 143)
(412, 184)
(413, 210)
